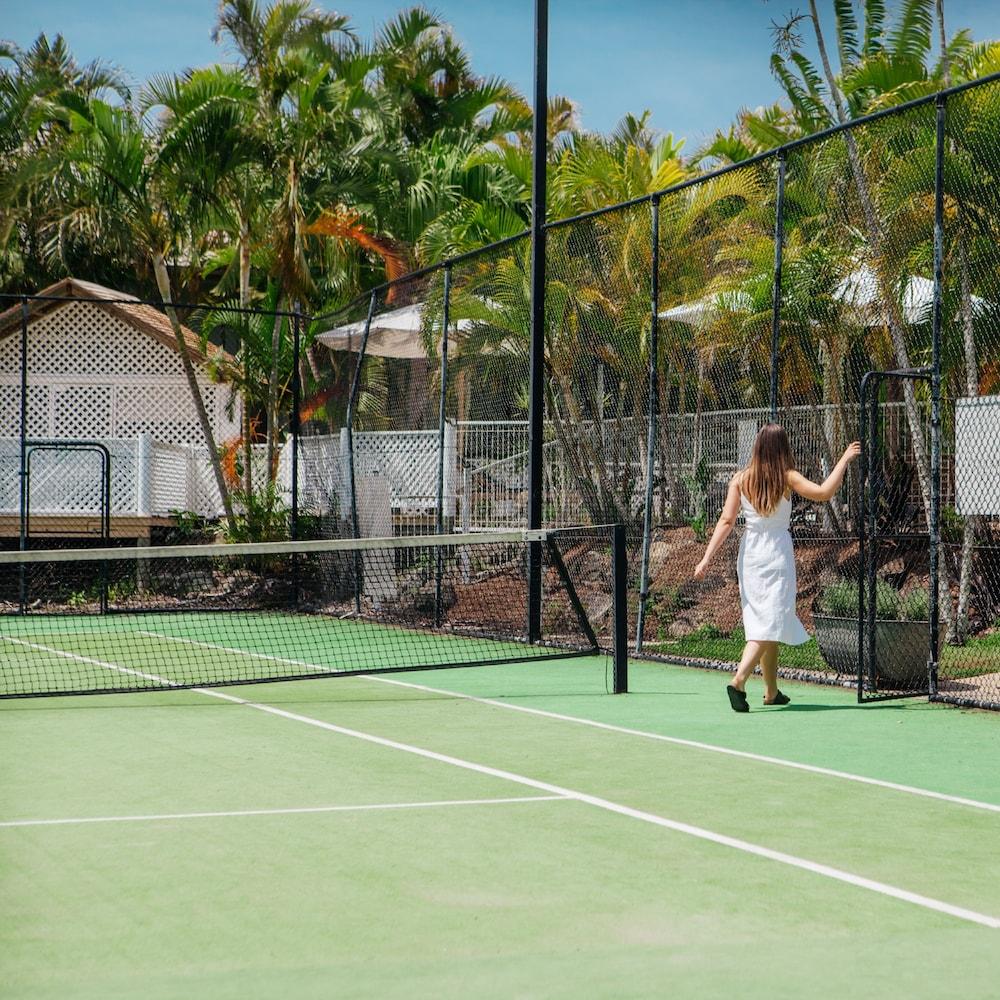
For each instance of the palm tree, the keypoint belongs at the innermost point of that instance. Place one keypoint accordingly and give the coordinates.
(147, 200)
(31, 81)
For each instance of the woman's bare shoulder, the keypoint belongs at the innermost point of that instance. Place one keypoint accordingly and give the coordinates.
(737, 478)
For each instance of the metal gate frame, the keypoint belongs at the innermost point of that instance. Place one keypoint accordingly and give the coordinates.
(869, 490)
(84, 447)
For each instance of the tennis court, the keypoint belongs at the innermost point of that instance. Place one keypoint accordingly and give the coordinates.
(503, 831)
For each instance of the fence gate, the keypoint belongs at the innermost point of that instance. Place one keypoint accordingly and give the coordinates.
(68, 484)
(897, 514)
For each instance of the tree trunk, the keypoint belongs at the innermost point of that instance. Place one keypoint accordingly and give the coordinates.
(163, 284)
(245, 429)
(272, 394)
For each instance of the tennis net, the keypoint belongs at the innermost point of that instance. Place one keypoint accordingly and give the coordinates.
(80, 621)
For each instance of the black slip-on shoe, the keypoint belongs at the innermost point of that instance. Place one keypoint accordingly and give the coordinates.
(779, 699)
(738, 699)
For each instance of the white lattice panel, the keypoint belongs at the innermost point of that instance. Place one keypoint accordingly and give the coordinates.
(409, 461)
(91, 374)
(169, 475)
(39, 409)
(82, 411)
(82, 338)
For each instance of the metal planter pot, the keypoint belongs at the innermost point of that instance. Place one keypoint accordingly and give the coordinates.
(901, 649)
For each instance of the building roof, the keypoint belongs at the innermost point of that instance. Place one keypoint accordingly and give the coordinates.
(144, 318)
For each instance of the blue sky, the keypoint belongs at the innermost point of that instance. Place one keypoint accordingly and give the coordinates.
(693, 63)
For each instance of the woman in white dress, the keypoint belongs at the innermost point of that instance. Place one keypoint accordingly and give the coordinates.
(766, 564)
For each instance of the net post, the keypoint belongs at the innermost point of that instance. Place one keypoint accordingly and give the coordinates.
(23, 469)
(619, 575)
(352, 484)
(536, 408)
(442, 407)
(779, 248)
(654, 361)
(934, 527)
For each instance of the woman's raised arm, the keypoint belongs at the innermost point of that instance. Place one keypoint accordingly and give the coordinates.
(821, 492)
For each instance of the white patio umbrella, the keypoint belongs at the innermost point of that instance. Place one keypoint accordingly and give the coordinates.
(701, 312)
(394, 334)
(860, 292)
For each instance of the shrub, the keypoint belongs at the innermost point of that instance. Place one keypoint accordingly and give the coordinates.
(916, 606)
(886, 600)
(840, 599)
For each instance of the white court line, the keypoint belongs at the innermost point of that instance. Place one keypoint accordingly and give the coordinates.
(675, 740)
(700, 833)
(302, 810)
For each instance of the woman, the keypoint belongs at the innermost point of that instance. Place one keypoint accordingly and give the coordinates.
(766, 563)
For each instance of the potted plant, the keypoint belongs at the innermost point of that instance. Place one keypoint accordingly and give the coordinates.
(902, 632)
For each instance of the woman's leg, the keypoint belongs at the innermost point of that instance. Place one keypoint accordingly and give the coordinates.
(748, 661)
(769, 667)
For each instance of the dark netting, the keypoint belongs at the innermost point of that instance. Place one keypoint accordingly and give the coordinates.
(162, 617)
(487, 392)
(331, 373)
(857, 263)
(598, 316)
(715, 282)
(970, 555)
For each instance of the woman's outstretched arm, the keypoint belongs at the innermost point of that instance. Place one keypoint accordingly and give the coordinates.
(821, 492)
(730, 510)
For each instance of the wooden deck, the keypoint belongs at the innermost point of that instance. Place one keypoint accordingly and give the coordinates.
(82, 526)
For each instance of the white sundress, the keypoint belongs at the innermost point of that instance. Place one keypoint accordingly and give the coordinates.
(766, 571)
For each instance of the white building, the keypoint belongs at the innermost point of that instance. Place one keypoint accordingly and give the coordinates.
(108, 372)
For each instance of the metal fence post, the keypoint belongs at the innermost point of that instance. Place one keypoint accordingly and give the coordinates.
(779, 247)
(536, 409)
(654, 361)
(934, 528)
(23, 469)
(442, 408)
(352, 484)
(294, 423)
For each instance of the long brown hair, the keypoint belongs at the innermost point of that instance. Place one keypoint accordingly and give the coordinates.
(764, 478)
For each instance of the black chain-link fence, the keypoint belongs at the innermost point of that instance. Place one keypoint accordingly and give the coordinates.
(674, 327)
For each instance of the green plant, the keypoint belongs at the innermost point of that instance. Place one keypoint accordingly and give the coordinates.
(839, 599)
(187, 526)
(915, 606)
(698, 487)
(260, 515)
(886, 601)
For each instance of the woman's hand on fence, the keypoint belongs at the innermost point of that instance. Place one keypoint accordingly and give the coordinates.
(851, 452)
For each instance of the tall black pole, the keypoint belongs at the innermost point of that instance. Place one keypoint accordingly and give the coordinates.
(23, 472)
(352, 479)
(779, 247)
(654, 362)
(442, 427)
(934, 528)
(536, 409)
(294, 423)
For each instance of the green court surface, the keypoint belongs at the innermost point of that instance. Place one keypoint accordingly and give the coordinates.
(507, 831)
